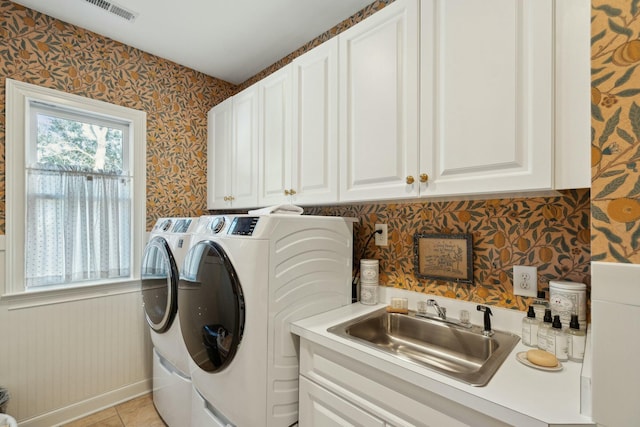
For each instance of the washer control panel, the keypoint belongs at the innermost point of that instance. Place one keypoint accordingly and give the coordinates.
(243, 226)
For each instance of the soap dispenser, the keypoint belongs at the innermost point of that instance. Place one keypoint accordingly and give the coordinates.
(540, 304)
(576, 339)
(530, 328)
(543, 331)
(557, 339)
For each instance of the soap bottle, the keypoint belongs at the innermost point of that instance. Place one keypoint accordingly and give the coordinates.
(557, 339)
(543, 331)
(530, 328)
(576, 339)
(540, 304)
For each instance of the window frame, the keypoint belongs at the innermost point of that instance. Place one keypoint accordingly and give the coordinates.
(37, 107)
(19, 95)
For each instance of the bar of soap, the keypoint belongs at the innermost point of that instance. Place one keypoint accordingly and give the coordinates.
(542, 358)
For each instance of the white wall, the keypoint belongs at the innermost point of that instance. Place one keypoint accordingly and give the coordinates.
(69, 358)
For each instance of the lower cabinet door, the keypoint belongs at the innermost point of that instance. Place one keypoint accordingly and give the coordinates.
(321, 408)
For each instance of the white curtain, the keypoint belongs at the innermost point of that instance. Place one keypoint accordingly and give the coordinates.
(78, 227)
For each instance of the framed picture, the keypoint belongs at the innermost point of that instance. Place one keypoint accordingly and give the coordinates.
(444, 257)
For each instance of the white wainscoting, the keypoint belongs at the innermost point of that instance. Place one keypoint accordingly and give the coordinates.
(63, 360)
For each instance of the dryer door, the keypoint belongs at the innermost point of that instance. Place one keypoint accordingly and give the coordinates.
(159, 277)
(211, 306)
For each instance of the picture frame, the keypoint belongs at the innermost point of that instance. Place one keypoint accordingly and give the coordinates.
(446, 257)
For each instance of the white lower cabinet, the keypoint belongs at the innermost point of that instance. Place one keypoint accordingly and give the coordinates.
(321, 408)
(336, 390)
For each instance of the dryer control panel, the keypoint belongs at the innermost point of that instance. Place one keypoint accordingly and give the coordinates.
(243, 226)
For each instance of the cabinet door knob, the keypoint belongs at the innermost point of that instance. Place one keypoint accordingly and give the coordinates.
(424, 177)
(292, 192)
(226, 198)
(410, 180)
(286, 192)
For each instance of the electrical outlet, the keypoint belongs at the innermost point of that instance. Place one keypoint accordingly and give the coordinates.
(525, 281)
(381, 238)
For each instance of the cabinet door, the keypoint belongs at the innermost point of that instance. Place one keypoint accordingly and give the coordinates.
(379, 104)
(315, 125)
(244, 166)
(275, 137)
(321, 408)
(487, 95)
(573, 97)
(219, 142)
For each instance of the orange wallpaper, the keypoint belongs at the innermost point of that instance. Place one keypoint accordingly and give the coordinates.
(551, 233)
(615, 121)
(38, 49)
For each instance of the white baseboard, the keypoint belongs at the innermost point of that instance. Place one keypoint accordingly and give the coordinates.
(89, 406)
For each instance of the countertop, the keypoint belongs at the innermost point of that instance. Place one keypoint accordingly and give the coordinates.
(517, 394)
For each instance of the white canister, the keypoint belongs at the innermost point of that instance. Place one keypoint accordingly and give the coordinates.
(369, 272)
(567, 298)
(368, 294)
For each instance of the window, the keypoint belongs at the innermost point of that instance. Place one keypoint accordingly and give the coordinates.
(75, 190)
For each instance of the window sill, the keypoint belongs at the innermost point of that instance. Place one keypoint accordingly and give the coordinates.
(37, 298)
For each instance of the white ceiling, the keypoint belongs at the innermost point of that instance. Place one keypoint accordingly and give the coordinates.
(231, 39)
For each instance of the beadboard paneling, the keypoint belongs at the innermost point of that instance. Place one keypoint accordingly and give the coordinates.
(62, 360)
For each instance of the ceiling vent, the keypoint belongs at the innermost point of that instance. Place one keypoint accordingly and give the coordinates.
(114, 9)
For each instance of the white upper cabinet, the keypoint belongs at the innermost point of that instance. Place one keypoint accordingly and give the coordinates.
(424, 98)
(275, 137)
(232, 161)
(315, 125)
(298, 130)
(573, 102)
(487, 98)
(379, 104)
(219, 141)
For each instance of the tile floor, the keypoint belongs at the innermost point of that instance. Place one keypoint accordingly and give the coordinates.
(138, 412)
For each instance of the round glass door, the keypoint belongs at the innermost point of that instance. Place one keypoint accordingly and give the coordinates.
(159, 278)
(212, 307)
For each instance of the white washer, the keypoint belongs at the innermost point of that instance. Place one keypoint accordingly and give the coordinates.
(239, 290)
(163, 257)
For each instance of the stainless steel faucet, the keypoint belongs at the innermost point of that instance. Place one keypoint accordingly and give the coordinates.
(442, 312)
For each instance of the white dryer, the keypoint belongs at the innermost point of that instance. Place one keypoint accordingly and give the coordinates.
(244, 280)
(163, 257)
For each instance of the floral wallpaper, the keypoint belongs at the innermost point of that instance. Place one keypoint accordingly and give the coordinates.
(38, 49)
(615, 131)
(551, 233)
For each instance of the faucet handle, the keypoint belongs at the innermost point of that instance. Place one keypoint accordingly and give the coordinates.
(421, 307)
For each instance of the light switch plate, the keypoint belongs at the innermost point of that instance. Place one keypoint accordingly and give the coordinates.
(525, 281)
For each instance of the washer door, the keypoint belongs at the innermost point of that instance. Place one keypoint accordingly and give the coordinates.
(159, 277)
(212, 307)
